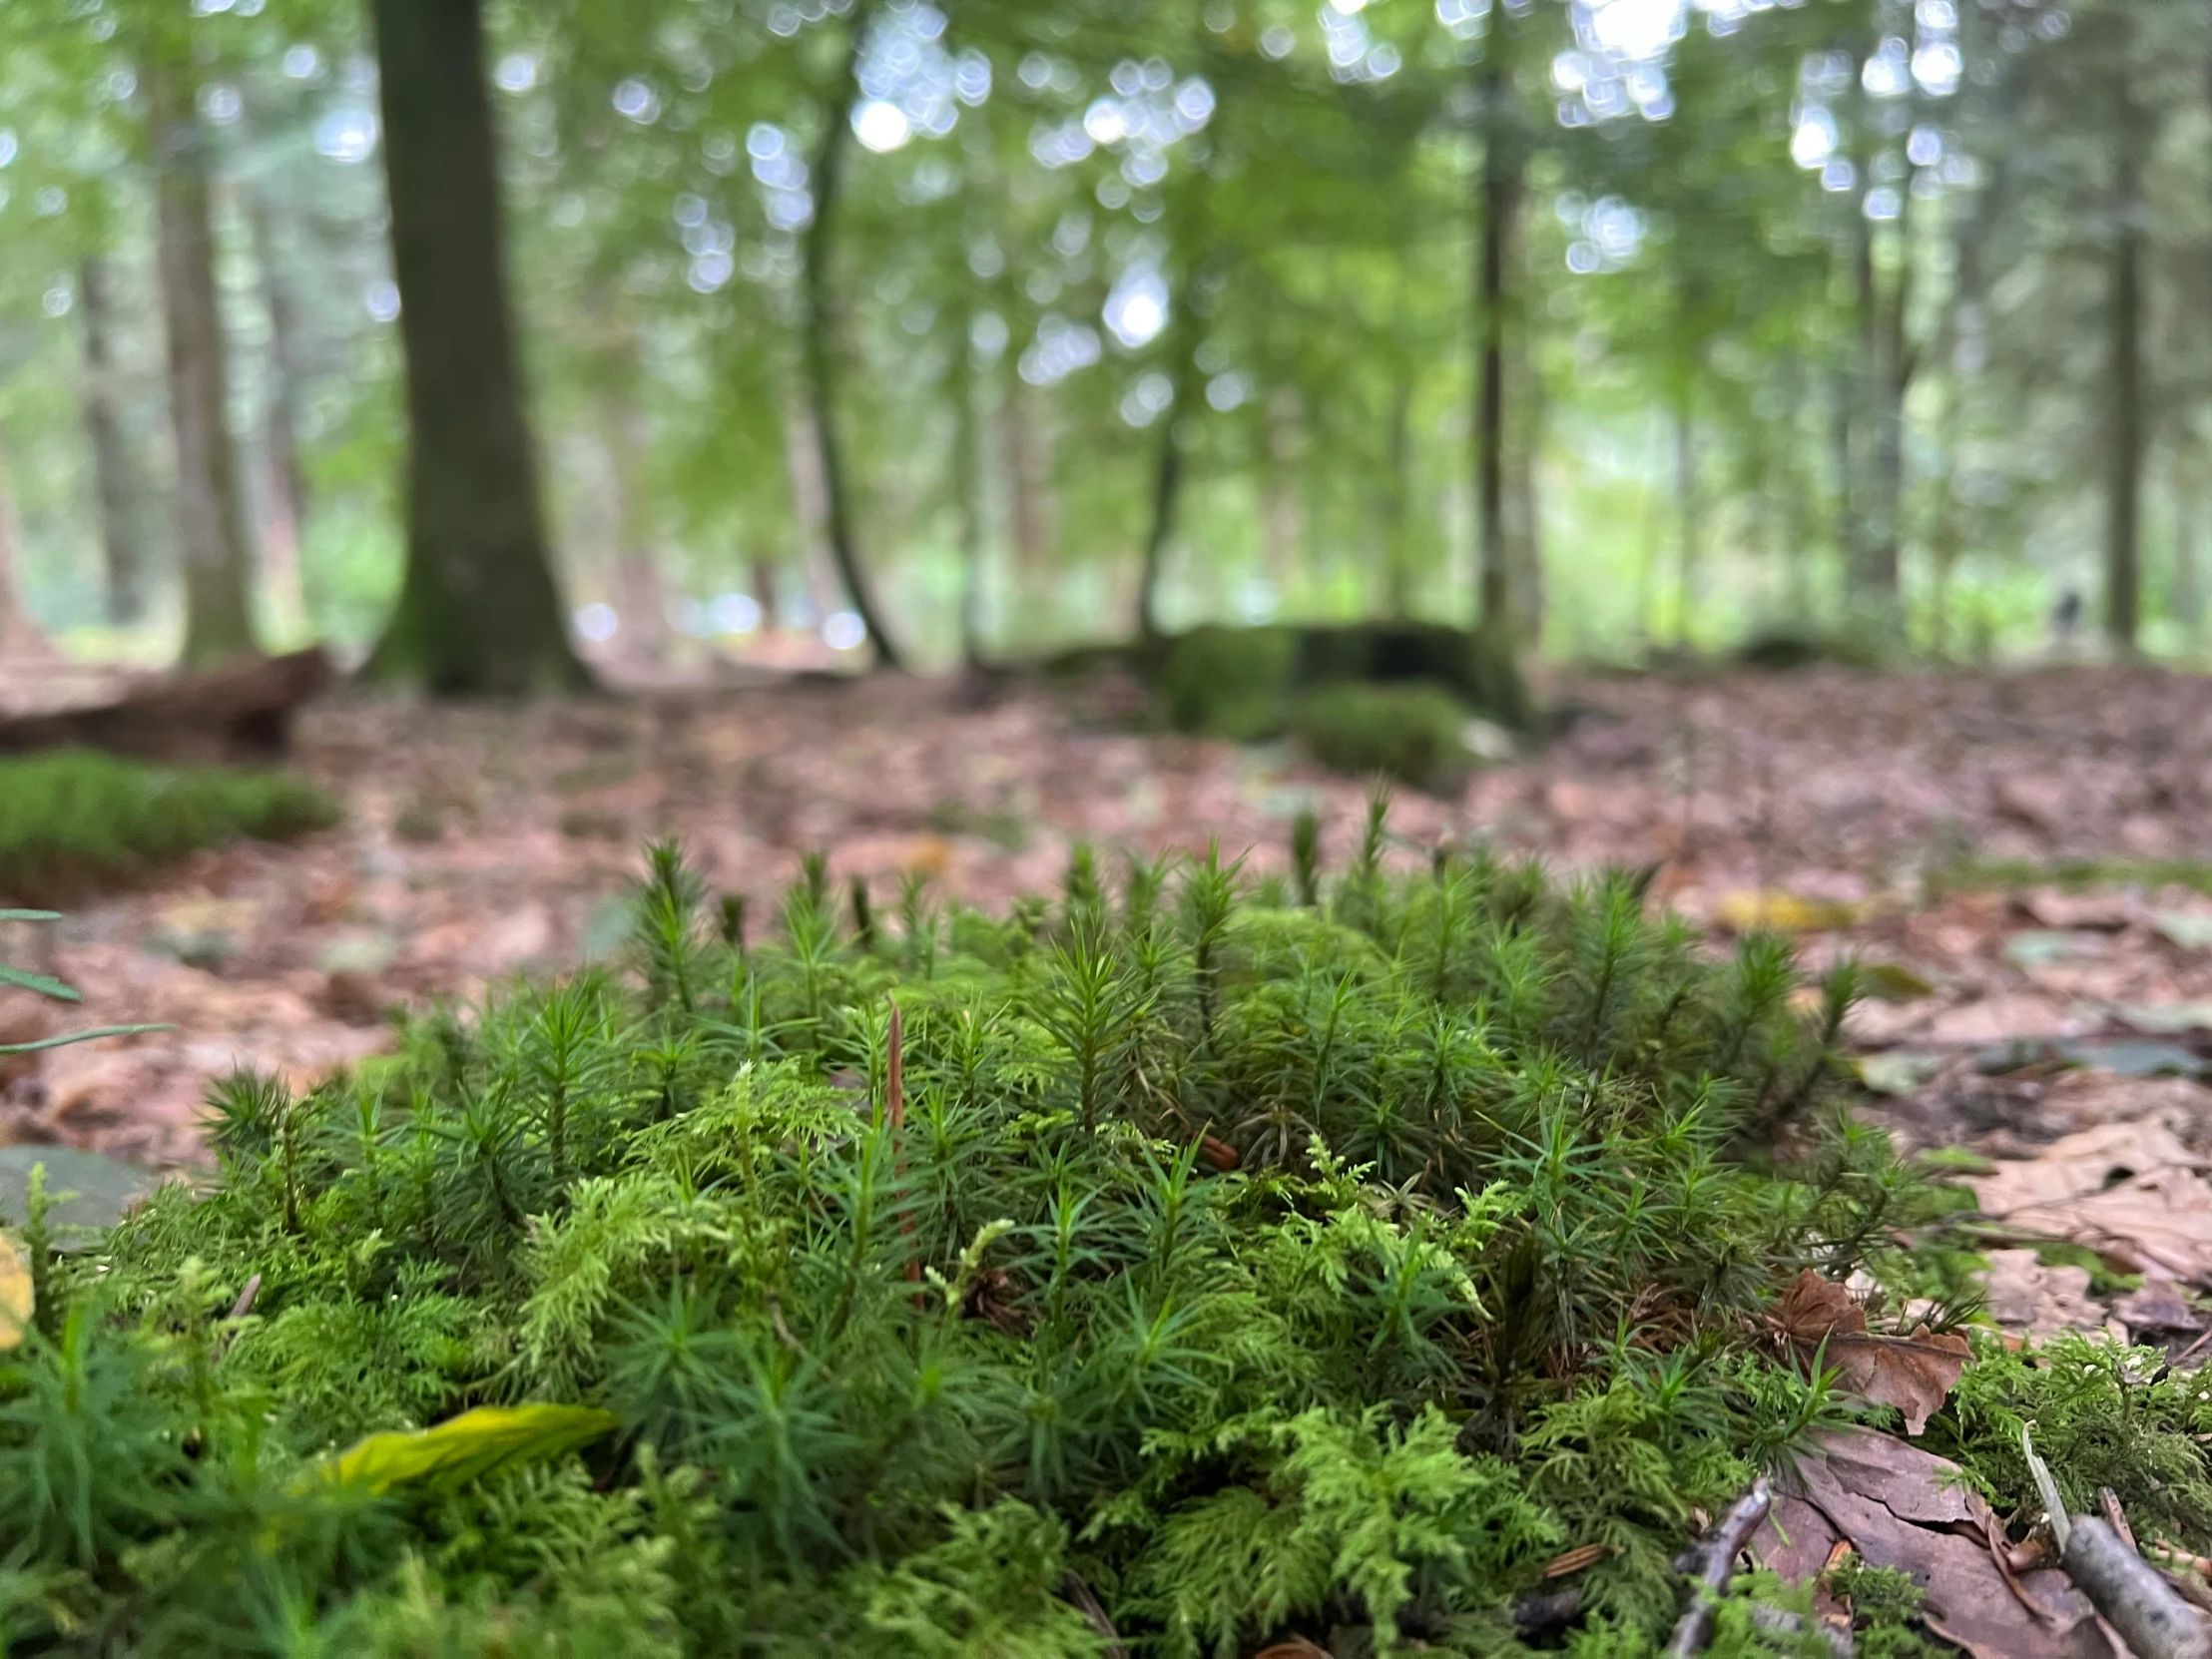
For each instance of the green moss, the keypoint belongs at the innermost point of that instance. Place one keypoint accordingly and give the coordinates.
(74, 821)
(1408, 732)
(1232, 683)
(1241, 1272)
(1250, 684)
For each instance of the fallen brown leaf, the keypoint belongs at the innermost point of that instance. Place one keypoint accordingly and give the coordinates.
(2130, 1190)
(1916, 1373)
(1899, 1507)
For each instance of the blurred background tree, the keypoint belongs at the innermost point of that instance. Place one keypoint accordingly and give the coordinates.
(899, 331)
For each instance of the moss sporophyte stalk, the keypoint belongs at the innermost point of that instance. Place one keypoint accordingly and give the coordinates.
(1163, 1268)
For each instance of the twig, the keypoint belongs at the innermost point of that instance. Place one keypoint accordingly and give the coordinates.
(1718, 1552)
(1088, 1604)
(2135, 1598)
(2109, 1502)
(245, 1304)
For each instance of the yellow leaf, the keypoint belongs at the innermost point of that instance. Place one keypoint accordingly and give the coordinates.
(1783, 913)
(17, 1300)
(471, 1445)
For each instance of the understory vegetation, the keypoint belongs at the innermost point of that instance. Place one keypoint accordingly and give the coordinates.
(1182, 1263)
(75, 820)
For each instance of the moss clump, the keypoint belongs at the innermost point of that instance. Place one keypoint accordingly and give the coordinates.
(1216, 1271)
(1247, 684)
(1409, 731)
(77, 820)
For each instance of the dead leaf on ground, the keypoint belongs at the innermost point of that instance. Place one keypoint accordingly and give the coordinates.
(1901, 1507)
(2038, 1299)
(1892, 982)
(1916, 1373)
(2129, 1191)
(17, 1300)
(2104, 911)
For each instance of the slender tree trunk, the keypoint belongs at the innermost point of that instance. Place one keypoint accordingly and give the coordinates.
(20, 636)
(1281, 504)
(1167, 476)
(122, 554)
(967, 492)
(479, 611)
(1525, 539)
(640, 597)
(282, 586)
(821, 354)
(2123, 575)
(211, 517)
(765, 595)
(1690, 506)
(1395, 517)
(2186, 594)
(1500, 190)
(1028, 440)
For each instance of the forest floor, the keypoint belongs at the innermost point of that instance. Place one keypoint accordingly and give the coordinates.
(2025, 858)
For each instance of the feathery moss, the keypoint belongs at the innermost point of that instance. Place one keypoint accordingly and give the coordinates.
(1164, 1260)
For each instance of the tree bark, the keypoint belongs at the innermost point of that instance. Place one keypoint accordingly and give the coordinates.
(967, 492)
(2123, 575)
(20, 635)
(1167, 475)
(283, 583)
(2185, 597)
(820, 353)
(1396, 515)
(1691, 508)
(1500, 188)
(478, 611)
(122, 554)
(210, 518)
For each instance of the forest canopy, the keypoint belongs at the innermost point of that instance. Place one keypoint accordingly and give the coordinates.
(988, 325)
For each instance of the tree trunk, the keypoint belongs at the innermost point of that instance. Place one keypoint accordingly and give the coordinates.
(2185, 595)
(1028, 439)
(479, 611)
(1526, 538)
(1500, 190)
(20, 636)
(1282, 501)
(820, 356)
(1396, 515)
(1691, 509)
(283, 585)
(122, 554)
(210, 518)
(967, 492)
(1167, 476)
(2123, 576)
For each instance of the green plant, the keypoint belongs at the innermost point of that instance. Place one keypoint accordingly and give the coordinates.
(1408, 731)
(1170, 1264)
(73, 820)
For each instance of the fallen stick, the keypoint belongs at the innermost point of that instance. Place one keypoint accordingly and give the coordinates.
(1694, 1633)
(2135, 1598)
(2131, 1594)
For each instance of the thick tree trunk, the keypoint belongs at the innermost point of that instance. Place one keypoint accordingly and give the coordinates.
(211, 517)
(2123, 574)
(1499, 187)
(283, 585)
(820, 353)
(122, 554)
(479, 611)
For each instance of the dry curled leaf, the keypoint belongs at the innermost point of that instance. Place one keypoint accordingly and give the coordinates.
(1916, 1373)
(17, 1300)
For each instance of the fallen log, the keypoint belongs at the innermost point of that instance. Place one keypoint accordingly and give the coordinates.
(241, 711)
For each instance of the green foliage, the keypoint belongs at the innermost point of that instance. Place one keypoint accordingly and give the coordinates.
(1214, 1271)
(1373, 697)
(1410, 732)
(71, 820)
